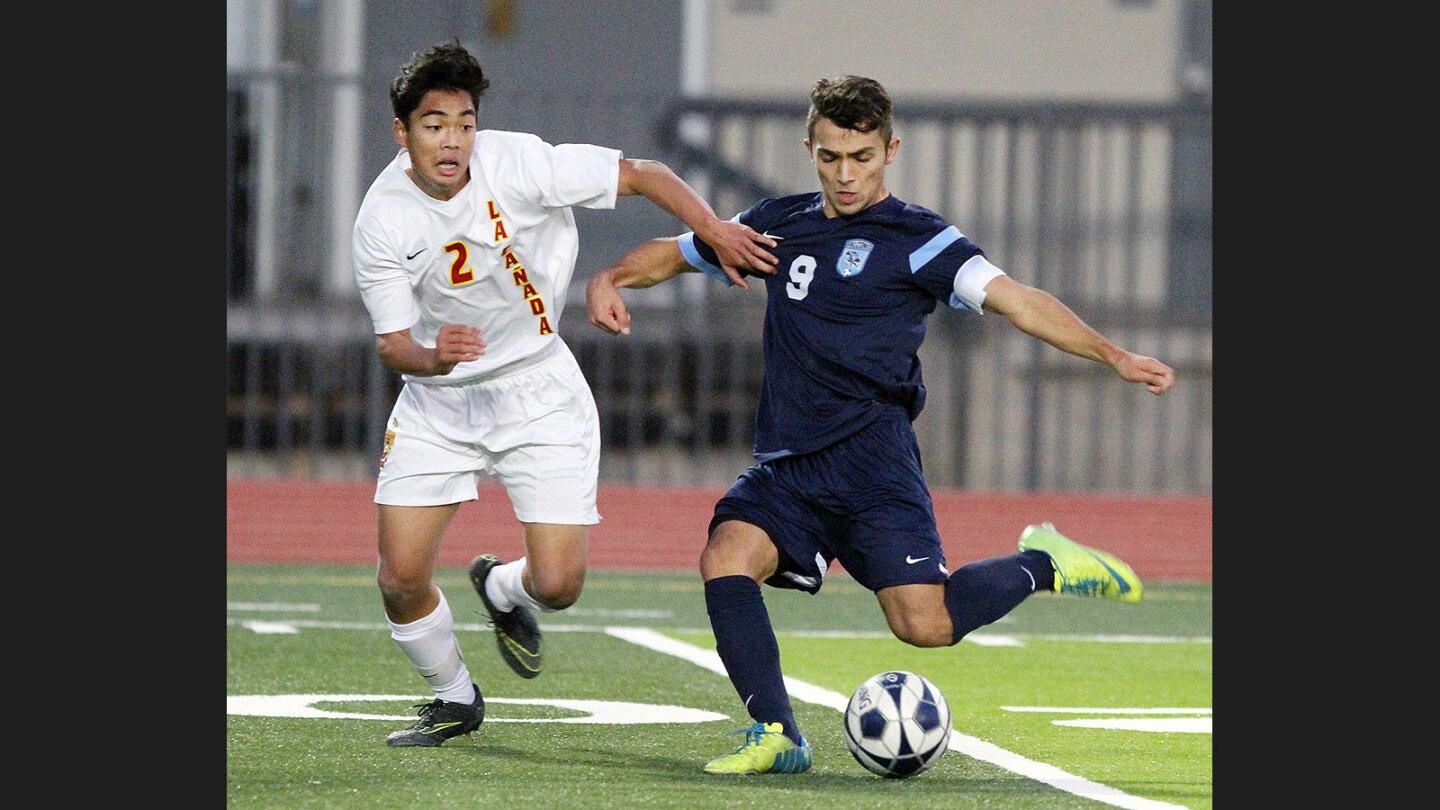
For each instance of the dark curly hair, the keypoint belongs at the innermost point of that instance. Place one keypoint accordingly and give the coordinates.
(446, 66)
(852, 102)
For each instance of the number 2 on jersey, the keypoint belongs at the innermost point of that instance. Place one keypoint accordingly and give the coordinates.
(460, 275)
(802, 272)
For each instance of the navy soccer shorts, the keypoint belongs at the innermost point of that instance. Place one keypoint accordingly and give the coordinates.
(862, 500)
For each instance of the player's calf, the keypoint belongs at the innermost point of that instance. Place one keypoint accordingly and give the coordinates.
(922, 630)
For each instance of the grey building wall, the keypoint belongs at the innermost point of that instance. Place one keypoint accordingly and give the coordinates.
(1112, 213)
(1092, 50)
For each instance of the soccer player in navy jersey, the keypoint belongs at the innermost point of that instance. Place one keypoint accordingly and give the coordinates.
(838, 470)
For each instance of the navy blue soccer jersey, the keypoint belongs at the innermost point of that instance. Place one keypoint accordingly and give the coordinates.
(846, 312)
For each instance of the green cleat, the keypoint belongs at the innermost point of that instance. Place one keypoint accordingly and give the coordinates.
(1080, 569)
(766, 750)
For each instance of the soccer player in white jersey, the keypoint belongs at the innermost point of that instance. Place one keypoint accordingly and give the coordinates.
(464, 247)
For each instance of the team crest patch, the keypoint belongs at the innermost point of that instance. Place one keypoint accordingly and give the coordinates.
(389, 443)
(852, 258)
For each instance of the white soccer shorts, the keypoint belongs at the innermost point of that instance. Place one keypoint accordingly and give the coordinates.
(536, 430)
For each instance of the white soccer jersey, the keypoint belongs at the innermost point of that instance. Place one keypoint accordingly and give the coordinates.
(499, 255)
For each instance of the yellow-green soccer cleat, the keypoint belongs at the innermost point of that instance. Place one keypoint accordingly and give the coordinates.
(766, 750)
(1080, 569)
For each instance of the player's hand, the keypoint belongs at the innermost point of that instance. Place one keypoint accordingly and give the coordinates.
(1138, 368)
(605, 306)
(739, 247)
(455, 344)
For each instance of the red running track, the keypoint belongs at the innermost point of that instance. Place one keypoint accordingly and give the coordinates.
(1162, 537)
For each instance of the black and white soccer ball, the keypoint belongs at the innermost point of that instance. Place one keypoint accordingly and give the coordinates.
(897, 724)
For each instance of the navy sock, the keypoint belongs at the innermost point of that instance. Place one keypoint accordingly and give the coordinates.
(981, 592)
(747, 645)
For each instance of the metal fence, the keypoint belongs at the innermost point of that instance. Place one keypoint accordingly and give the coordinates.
(1106, 206)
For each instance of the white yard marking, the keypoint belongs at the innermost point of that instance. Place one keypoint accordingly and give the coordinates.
(1123, 639)
(620, 613)
(285, 628)
(964, 743)
(470, 626)
(987, 640)
(982, 639)
(1080, 710)
(1182, 725)
(820, 633)
(273, 607)
(609, 712)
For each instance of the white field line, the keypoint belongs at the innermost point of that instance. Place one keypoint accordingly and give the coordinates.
(1170, 725)
(987, 640)
(330, 625)
(1121, 639)
(1079, 710)
(274, 607)
(964, 743)
(620, 613)
(982, 639)
(285, 628)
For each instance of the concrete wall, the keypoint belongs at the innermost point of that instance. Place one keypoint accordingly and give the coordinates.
(1110, 50)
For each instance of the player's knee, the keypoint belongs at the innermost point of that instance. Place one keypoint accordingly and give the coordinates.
(400, 589)
(921, 631)
(724, 557)
(710, 562)
(557, 590)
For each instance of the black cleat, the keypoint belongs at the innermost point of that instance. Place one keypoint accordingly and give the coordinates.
(515, 631)
(439, 721)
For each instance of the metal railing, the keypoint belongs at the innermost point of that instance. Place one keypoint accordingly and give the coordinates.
(1106, 206)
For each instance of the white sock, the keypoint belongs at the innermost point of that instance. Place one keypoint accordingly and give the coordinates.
(431, 646)
(506, 588)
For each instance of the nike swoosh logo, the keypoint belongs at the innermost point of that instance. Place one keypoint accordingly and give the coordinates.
(416, 253)
(1124, 586)
(525, 657)
(439, 727)
(917, 559)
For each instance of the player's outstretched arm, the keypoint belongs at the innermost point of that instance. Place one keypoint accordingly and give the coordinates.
(737, 246)
(454, 344)
(645, 266)
(1042, 315)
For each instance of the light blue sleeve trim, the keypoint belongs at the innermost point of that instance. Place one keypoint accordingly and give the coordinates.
(687, 249)
(931, 249)
(956, 303)
(772, 456)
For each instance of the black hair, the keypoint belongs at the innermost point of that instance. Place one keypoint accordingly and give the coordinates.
(447, 66)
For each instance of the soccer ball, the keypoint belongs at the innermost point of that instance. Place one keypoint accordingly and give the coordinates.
(897, 724)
